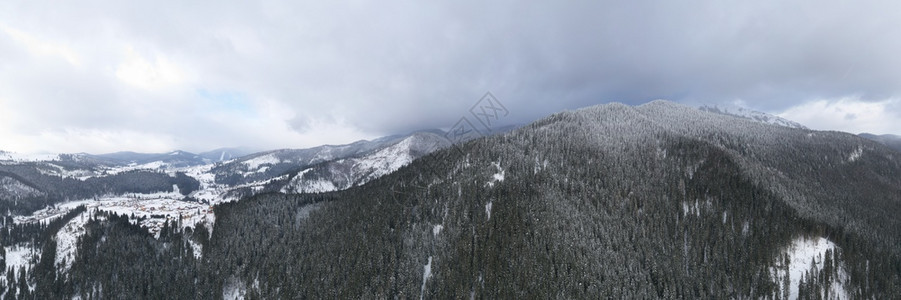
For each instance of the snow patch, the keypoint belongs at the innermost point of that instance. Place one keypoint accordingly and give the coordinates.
(79, 174)
(801, 253)
(155, 209)
(256, 162)
(497, 177)
(855, 155)
(301, 185)
(234, 289)
(304, 212)
(427, 272)
(386, 160)
(28, 157)
(21, 255)
(196, 248)
(156, 165)
(688, 208)
(437, 229)
(539, 165)
(66, 240)
(309, 186)
(488, 210)
(14, 189)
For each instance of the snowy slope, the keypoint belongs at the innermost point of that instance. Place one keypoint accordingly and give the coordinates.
(303, 184)
(21, 255)
(10, 188)
(26, 157)
(802, 253)
(264, 165)
(345, 173)
(224, 154)
(66, 240)
(155, 208)
(172, 159)
(753, 115)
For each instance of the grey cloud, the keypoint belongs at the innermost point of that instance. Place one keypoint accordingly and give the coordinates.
(392, 67)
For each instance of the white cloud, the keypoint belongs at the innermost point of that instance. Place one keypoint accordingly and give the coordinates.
(41, 47)
(294, 74)
(149, 74)
(86, 140)
(849, 114)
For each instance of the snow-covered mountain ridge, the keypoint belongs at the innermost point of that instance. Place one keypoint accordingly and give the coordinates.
(752, 115)
(344, 173)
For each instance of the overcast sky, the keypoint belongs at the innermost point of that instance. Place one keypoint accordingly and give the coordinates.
(153, 76)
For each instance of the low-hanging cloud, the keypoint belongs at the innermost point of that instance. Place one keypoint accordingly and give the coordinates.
(155, 76)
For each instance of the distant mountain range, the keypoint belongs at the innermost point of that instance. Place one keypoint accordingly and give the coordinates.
(229, 173)
(753, 115)
(890, 140)
(175, 159)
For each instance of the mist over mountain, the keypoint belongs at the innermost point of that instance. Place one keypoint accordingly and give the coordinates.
(224, 154)
(890, 140)
(752, 115)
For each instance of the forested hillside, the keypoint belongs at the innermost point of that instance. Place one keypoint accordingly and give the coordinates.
(29, 187)
(611, 201)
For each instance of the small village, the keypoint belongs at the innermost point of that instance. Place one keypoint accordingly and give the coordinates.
(150, 211)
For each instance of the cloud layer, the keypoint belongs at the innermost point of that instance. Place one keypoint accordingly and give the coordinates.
(111, 75)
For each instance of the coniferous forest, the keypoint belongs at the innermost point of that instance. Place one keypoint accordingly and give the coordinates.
(611, 201)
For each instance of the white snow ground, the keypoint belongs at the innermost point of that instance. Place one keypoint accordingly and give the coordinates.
(27, 157)
(168, 205)
(233, 289)
(21, 255)
(497, 177)
(66, 240)
(256, 162)
(299, 184)
(437, 229)
(801, 252)
(426, 273)
(855, 155)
